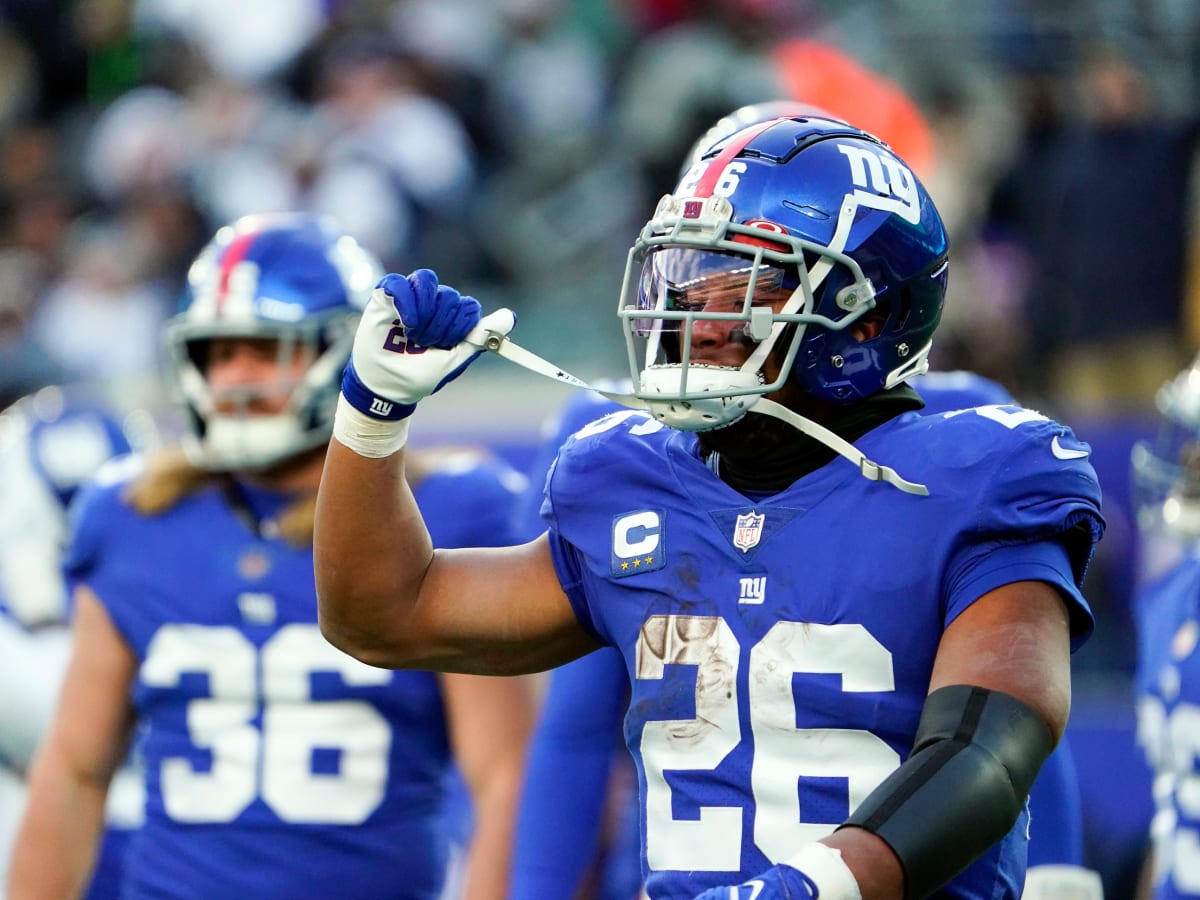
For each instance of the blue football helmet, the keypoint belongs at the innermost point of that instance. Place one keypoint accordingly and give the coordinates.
(295, 278)
(743, 116)
(1166, 469)
(804, 208)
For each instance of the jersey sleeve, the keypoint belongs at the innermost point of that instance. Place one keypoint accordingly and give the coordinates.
(589, 464)
(94, 517)
(567, 563)
(1036, 516)
(583, 408)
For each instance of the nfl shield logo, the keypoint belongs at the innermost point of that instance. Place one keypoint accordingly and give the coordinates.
(747, 530)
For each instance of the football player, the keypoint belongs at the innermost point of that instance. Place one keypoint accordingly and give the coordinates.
(567, 833)
(276, 765)
(844, 678)
(1166, 481)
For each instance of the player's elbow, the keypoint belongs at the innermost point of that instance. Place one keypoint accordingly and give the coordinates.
(339, 635)
(344, 625)
(363, 644)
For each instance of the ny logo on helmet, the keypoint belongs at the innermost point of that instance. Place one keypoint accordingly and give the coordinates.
(885, 182)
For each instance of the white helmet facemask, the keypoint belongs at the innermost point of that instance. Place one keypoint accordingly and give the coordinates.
(704, 251)
(1166, 470)
(753, 277)
(233, 432)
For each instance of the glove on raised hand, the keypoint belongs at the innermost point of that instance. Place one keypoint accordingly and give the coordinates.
(777, 883)
(815, 873)
(414, 337)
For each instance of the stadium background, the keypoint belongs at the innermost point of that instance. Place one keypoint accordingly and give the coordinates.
(516, 145)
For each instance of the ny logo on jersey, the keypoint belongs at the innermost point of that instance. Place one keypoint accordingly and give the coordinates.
(380, 407)
(747, 530)
(256, 608)
(1185, 640)
(637, 542)
(753, 589)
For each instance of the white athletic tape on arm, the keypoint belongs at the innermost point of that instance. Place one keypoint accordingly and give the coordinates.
(372, 438)
(824, 866)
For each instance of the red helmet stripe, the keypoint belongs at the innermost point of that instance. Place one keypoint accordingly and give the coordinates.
(234, 254)
(716, 166)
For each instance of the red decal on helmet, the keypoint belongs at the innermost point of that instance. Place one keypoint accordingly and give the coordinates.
(716, 166)
(692, 209)
(765, 225)
(234, 254)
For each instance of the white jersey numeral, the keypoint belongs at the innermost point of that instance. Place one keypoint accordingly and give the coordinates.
(783, 753)
(1173, 744)
(272, 761)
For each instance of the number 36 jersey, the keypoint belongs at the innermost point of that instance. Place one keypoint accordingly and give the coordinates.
(779, 650)
(276, 765)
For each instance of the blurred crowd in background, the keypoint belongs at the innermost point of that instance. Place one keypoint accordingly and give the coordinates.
(516, 146)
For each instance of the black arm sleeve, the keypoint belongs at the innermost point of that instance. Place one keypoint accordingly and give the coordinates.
(974, 759)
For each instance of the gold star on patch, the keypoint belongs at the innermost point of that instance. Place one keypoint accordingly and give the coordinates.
(624, 565)
(636, 563)
(649, 560)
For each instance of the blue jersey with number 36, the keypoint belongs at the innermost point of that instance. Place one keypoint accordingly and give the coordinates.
(779, 650)
(277, 766)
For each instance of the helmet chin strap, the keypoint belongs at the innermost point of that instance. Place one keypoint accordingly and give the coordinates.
(502, 346)
(869, 469)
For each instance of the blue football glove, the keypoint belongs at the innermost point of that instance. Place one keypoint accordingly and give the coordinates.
(415, 336)
(816, 872)
(777, 883)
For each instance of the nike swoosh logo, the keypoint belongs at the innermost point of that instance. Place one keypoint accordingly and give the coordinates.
(1061, 452)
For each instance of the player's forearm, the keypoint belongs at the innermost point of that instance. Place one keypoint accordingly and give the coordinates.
(60, 831)
(371, 550)
(490, 855)
(871, 861)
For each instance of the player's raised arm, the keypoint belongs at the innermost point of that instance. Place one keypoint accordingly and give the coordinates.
(385, 595)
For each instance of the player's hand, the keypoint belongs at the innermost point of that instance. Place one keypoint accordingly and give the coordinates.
(415, 336)
(777, 883)
(815, 871)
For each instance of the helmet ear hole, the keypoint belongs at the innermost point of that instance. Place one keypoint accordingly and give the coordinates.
(870, 325)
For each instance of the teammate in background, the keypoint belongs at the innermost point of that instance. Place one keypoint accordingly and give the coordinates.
(1166, 483)
(568, 839)
(276, 766)
(51, 441)
(845, 677)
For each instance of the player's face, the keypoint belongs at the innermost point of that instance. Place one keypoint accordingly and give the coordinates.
(253, 376)
(701, 281)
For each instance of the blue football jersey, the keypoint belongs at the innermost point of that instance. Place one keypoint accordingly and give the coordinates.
(276, 765)
(779, 650)
(1167, 612)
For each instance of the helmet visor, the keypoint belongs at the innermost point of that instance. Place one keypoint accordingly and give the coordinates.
(677, 283)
